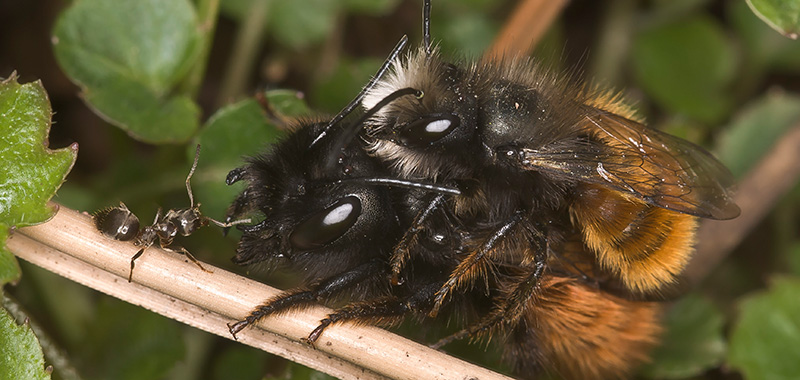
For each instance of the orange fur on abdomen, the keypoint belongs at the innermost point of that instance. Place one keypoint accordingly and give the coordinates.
(645, 245)
(580, 332)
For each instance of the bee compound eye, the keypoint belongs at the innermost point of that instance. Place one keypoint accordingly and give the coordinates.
(424, 131)
(326, 225)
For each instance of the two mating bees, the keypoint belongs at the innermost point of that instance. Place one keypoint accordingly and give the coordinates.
(509, 200)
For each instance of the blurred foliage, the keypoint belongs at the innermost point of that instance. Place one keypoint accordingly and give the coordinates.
(708, 70)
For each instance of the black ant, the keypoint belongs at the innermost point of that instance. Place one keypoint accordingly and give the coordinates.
(121, 224)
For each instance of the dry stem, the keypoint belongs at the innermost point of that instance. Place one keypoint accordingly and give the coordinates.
(168, 284)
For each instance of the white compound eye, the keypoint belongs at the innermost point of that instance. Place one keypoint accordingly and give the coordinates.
(428, 129)
(327, 225)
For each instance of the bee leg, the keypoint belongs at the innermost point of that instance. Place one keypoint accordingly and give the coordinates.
(467, 270)
(239, 206)
(509, 309)
(402, 251)
(383, 311)
(319, 292)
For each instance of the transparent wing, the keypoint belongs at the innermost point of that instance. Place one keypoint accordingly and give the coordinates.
(663, 170)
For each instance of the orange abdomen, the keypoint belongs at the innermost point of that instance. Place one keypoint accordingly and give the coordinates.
(580, 332)
(644, 245)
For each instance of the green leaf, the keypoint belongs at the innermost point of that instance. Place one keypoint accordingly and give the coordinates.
(693, 342)
(765, 339)
(129, 58)
(130, 343)
(756, 129)
(9, 267)
(234, 132)
(687, 66)
(468, 35)
(781, 15)
(20, 354)
(287, 103)
(376, 7)
(765, 48)
(347, 79)
(30, 173)
(295, 23)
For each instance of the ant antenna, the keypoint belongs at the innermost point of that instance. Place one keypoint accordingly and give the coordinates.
(354, 103)
(191, 171)
(426, 26)
(349, 134)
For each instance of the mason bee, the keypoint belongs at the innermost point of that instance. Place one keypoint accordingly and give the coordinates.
(337, 226)
(542, 209)
(122, 224)
(543, 147)
(348, 256)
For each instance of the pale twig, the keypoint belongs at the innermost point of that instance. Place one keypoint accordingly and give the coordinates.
(168, 284)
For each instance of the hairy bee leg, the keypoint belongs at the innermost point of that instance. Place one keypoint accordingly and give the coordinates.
(240, 205)
(463, 273)
(402, 251)
(235, 175)
(509, 309)
(384, 311)
(319, 292)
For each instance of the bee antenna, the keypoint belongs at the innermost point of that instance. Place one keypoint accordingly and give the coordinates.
(355, 102)
(189, 177)
(426, 26)
(349, 134)
(408, 184)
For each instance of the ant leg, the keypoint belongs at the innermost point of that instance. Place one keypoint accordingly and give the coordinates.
(402, 252)
(183, 251)
(383, 311)
(319, 292)
(228, 223)
(469, 268)
(133, 262)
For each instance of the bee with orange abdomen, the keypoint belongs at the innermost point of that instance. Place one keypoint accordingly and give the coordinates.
(543, 206)
(337, 227)
(542, 148)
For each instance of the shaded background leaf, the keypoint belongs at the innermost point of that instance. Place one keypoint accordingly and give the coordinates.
(141, 49)
(781, 15)
(765, 338)
(693, 342)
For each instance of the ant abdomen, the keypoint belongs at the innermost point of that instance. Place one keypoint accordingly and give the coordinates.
(117, 222)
